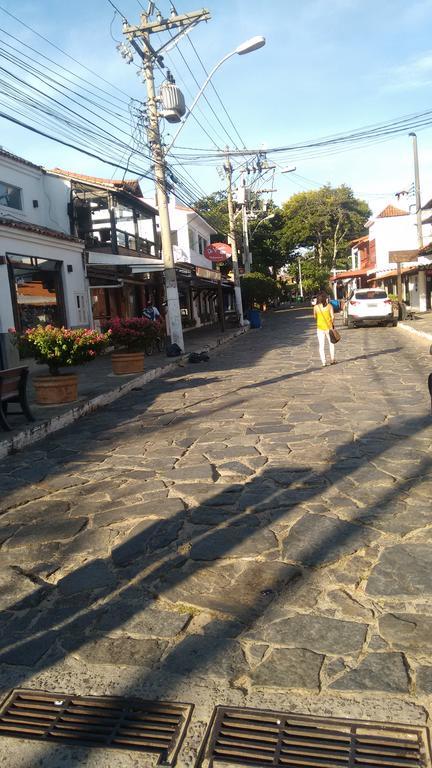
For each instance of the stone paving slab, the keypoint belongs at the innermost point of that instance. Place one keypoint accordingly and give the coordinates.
(255, 531)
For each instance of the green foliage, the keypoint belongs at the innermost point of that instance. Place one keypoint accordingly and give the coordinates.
(214, 208)
(61, 347)
(257, 289)
(324, 220)
(315, 277)
(269, 254)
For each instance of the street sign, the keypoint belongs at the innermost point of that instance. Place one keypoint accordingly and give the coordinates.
(217, 252)
(208, 274)
(399, 256)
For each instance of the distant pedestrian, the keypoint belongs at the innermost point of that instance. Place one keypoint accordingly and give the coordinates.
(151, 312)
(324, 316)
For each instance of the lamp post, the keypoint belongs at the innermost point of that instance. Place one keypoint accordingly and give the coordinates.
(417, 191)
(247, 47)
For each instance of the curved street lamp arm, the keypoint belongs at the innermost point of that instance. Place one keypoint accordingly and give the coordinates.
(199, 94)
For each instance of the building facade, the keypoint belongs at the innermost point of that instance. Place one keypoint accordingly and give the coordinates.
(205, 294)
(124, 266)
(392, 234)
(42, 266)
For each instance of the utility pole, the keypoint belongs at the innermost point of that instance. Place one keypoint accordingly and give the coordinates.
(247, 256)
(417, 191)
(232, 238)
(300, 276)
(149, 56)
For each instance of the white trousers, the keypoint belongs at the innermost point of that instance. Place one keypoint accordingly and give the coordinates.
(322, 336)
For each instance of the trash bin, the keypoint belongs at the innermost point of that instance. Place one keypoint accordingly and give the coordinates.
(254, 318)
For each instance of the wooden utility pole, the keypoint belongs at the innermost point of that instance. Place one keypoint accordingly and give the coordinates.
(149, 55)
(232, 239)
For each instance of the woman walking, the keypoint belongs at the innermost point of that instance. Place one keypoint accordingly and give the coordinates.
(324, 315)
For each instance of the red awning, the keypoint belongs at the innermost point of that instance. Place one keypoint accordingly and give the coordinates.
(350, 273)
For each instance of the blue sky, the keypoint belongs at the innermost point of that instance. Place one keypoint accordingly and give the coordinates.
(328, 66)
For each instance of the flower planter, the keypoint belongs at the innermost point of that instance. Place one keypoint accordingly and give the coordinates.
(55, 390)
(124, 363)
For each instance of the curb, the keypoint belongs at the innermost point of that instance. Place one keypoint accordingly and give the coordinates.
(38, 432)
(422, 334)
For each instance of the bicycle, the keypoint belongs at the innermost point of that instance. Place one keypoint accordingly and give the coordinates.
(156, 342)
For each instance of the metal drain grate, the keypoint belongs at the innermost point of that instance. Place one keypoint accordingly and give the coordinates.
(259, 737)
(102, 721)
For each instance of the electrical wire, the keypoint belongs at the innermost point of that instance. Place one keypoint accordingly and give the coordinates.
(62, 89)
(64, 143)
(69, 77)
(91, 71)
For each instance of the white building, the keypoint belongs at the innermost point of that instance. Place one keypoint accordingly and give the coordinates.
(42, 270)
(373, 258)
(203, 293)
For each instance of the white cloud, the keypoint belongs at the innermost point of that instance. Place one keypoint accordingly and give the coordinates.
(415, 73)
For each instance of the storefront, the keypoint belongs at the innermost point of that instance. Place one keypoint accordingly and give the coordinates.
(37, 291)
(121, 286)
(42, 280)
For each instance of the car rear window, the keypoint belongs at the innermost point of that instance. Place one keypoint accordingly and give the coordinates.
(370, 295)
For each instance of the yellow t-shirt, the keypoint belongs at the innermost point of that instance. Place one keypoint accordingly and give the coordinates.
(323, 317)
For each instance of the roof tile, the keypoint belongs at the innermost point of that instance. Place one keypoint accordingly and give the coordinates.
(391, 210)
(28, 227)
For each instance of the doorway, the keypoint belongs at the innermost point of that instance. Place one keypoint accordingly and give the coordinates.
(37, 291)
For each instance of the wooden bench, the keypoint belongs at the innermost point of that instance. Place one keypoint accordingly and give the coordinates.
(13, 389)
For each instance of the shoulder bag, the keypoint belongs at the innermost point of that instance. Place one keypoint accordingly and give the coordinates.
(334, 335)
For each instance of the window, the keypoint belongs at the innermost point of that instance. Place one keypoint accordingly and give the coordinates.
(10, 196)
(371, 295)
(202, 244)
(192, 239)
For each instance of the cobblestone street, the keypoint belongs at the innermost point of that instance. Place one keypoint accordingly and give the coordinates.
(255, 530)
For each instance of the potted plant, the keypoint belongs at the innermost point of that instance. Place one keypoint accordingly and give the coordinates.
(59, 348)
(130, 336)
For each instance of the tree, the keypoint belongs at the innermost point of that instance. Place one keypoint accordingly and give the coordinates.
(269, 255)
(258, 289)
(214, 209)
(315, 277)
(324, 220)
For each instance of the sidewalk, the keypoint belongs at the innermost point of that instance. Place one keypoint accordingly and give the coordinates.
(98, 386)
(421, 325)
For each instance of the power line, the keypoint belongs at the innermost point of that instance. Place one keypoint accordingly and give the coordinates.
(213, 87)
(27, 46)
(65, 143)
(96, 74)
(60, 87)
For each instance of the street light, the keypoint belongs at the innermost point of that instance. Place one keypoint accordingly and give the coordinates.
(247, 47)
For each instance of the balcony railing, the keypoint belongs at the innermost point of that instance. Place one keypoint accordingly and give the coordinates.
(101, 239)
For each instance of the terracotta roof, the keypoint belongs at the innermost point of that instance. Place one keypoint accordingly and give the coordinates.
(349, 273)
(393, 273)
(360, 240)
(391, 210)
(28, 227)
(425, 250)
(127, 185)
(17, 159)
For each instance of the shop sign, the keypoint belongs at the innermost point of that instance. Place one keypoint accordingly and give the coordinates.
(217, 252)
(398, 257)
(207, 274)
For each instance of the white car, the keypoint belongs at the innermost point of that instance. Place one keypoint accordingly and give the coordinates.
(369, 306)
